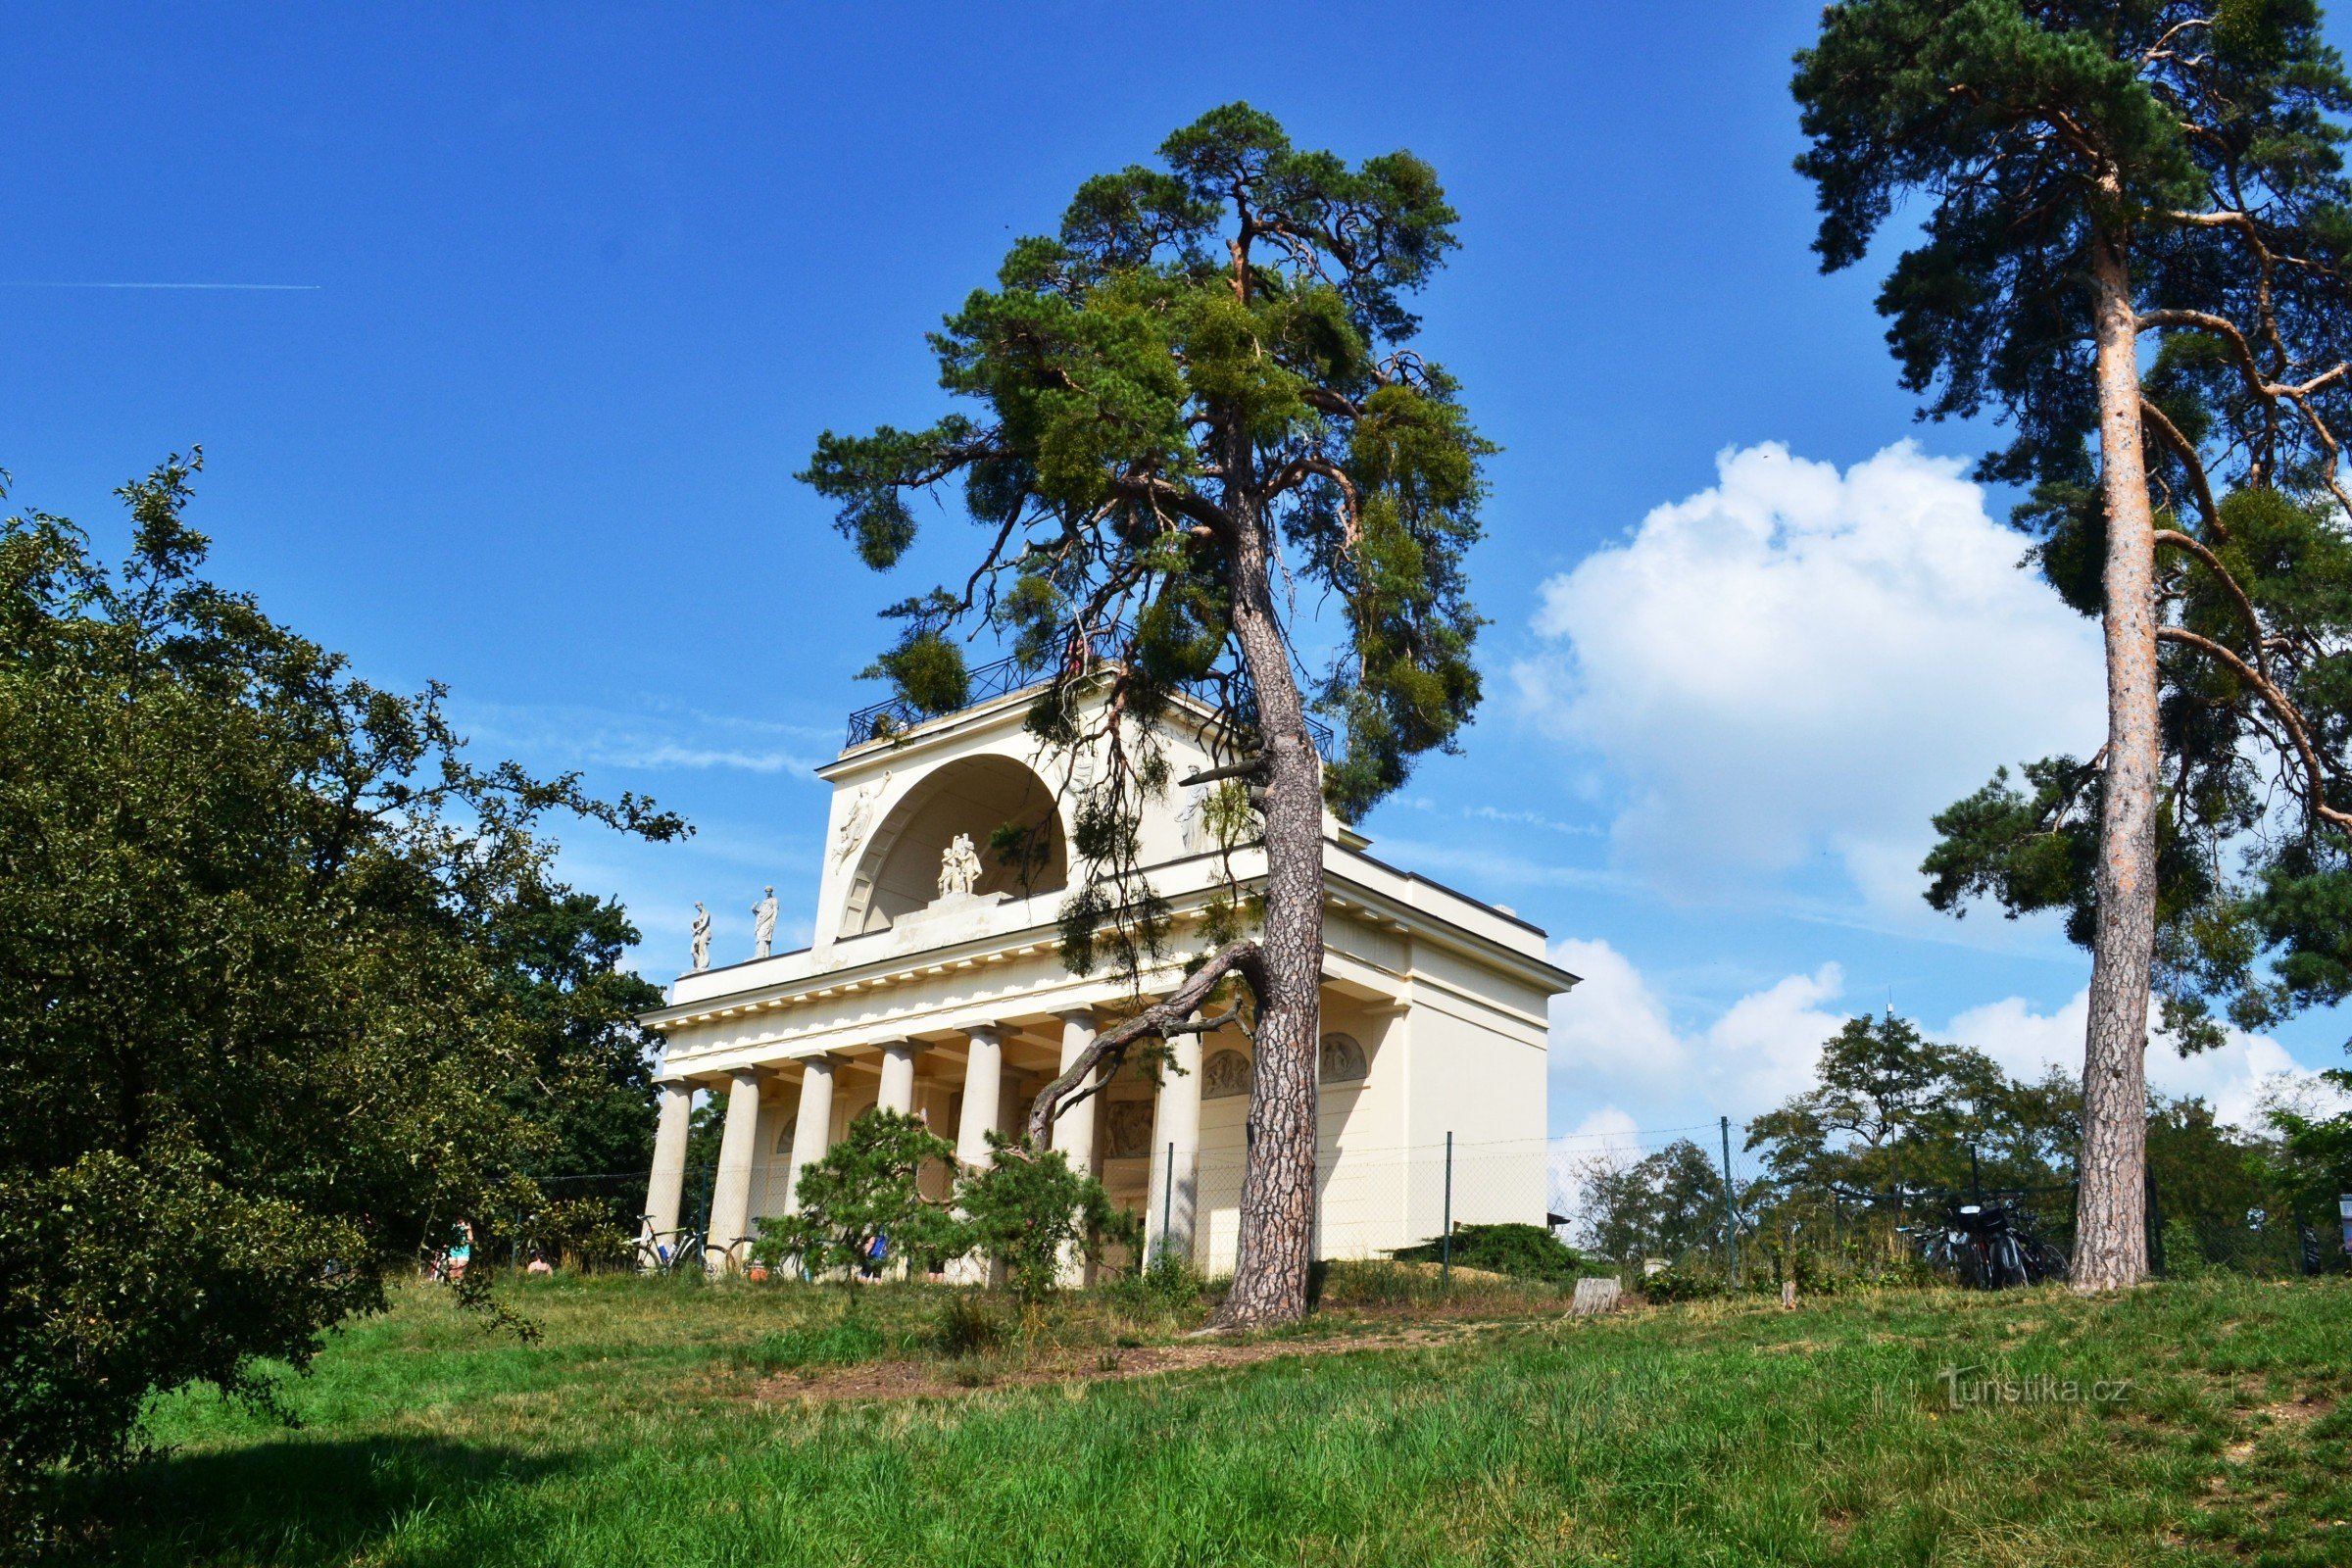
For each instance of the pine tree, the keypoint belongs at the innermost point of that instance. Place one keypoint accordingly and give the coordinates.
(2092, 177)
(1200, 389)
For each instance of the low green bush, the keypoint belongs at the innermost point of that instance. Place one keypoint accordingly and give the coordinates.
(1523, 1252)
(1691, 1280)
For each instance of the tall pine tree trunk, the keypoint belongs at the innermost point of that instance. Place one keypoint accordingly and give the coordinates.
(2111, 1243)
(1278, 1185)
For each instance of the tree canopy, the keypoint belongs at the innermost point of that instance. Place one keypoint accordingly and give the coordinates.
(1201, 352)
(264, 1006)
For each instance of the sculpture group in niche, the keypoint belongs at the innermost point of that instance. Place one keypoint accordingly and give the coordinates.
(958, 867)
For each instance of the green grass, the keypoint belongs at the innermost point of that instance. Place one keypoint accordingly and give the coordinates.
(1723, 1433)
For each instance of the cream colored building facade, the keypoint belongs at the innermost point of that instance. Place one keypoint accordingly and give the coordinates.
(922, 997)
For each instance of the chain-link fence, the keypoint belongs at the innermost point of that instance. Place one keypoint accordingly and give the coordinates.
(1683, 1218)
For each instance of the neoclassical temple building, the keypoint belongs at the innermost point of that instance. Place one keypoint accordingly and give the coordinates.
(934, 987)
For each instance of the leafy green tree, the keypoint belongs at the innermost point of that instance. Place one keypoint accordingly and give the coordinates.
(867, 1186)
(2207, 1175)
(1665, 1205)
(1030, 1211)
(2094, 175)
(2311, 1163)
(1203, 386)
(257, 1028)
(1889, 1109)
(588, 1084)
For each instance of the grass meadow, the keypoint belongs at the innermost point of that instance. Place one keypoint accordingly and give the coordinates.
(664, 1422)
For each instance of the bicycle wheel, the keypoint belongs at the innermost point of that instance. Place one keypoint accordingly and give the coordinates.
(2048, 1262)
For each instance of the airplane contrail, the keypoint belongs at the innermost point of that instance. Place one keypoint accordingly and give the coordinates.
(270, 289)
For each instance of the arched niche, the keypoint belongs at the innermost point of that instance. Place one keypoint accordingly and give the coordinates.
(897, 869)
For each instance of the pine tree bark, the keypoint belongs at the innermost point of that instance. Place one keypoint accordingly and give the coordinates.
(2111, 1243)
(1278, 1187)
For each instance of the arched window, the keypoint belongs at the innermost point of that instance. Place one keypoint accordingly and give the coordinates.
(1341, 1061)
(1225, 1075)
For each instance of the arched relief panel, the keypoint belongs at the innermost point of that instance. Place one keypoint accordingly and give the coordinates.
(897, 870)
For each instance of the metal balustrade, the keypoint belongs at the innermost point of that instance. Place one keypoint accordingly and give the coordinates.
(897, 714)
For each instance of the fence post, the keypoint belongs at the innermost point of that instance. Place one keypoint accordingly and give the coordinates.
(1446, 1243)
(1731, 1210)
(2155, 1224)
(1167, 1202)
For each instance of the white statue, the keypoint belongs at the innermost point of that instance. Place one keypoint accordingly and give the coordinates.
(763, 924)
(855, 820)
(1190, 829)
(958, 867)
(702, 936)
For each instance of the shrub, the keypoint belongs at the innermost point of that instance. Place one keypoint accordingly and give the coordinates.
(1689, 1280)
(2184, 1251)
(1522, 1252)
(1029, 1210)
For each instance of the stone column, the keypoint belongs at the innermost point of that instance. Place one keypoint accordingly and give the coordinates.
(898, 1078)
(812, 1130)
(1074, 1129)
(738, 1152)
(666, 1185)
(983, 1083)
(983, 1088)
(1171, 1204)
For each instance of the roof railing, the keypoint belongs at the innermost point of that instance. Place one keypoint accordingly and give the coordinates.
(897, 714)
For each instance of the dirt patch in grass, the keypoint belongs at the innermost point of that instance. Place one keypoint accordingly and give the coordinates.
(883, 1381)
(2284, 1415)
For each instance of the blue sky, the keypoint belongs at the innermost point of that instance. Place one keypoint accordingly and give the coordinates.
(572, 290)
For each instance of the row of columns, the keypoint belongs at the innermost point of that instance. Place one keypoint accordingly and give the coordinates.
(1175, 1150)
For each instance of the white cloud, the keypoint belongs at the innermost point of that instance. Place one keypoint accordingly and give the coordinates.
(1615, 1045)
(652, 739)
(1613, 1040)
(2233, 1079)
(1799, 664)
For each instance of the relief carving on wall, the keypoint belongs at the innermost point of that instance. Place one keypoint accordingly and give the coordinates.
(1129, 1129)
(1341, 1061)
(1225, 1075)
(856, 819)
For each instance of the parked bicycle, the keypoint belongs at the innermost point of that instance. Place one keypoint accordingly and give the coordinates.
(1990, 1247)
(669, 1251)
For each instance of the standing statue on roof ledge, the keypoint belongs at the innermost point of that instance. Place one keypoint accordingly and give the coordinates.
(702, 936)
(763, 926)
